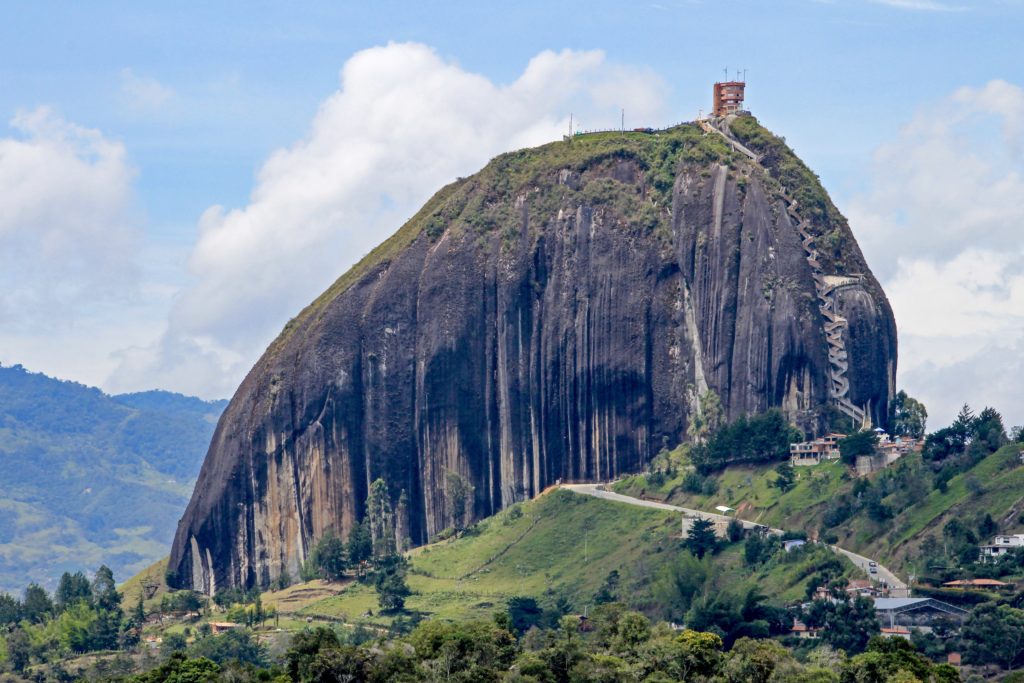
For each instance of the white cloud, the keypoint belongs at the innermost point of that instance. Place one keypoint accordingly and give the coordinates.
(941, 226)
(403, 123)
(143, 93)
(69, 237)
(920, 5)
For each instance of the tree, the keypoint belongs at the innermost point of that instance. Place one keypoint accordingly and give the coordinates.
(989, 430)
(699, 656)
(700, 539)
(304, 648)
(964, 422)
(380, 519)
(994, 635)
(139, 614)
(237, 645)
(19, 649)
(755, 661)
(565, 651)
(360, 543)
(759, 548)
(679, 582)
(858, 443)
(524, 614)
(1017, 434)
(345, 663)
(632, 630)
(71, 589)
(734, 531)
(104, 589)
(392, 590)
(987, 526)
(908, 416)
(785, 477)
(459, 491)
(609, 592)
(748, 439)
(329, 556)
(36, 606)
(173, 642)
(10, 610)
(180, 669)
(850, 624)
(109, 615)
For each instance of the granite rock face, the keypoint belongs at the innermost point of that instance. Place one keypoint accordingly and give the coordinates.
(556, 316)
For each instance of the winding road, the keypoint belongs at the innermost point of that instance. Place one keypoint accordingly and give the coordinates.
(897, 588)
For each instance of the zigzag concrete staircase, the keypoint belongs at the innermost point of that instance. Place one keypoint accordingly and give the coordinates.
(825, 285)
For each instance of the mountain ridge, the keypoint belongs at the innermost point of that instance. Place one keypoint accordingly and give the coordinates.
(91, 478)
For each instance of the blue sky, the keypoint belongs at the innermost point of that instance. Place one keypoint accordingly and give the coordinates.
(166, 111)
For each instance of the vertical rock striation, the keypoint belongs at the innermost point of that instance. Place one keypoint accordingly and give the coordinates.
(557, 315)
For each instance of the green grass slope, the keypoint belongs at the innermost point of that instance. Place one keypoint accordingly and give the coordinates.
(994, 486)
(559, 547)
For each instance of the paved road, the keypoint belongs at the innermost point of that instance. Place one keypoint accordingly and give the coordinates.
(898, 589)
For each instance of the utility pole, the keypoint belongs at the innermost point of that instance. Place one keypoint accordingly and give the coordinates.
(623, 119)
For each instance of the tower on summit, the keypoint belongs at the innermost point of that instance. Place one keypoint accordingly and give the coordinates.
(728, 97)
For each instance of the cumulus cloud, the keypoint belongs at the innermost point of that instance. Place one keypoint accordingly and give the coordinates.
(403, 122)
(142, 93)
(941, 227)
(68, 233)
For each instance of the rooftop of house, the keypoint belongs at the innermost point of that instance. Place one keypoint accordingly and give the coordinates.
(981, 583)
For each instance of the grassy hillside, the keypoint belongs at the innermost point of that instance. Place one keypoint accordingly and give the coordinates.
(917, 509)
(91, 478)
(558, 548)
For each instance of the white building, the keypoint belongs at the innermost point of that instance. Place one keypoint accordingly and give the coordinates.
(1001, 545)
(813, 452)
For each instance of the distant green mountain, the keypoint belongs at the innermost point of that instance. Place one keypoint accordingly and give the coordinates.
(87, 478)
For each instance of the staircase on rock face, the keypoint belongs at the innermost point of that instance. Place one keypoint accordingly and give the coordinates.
(826, 286)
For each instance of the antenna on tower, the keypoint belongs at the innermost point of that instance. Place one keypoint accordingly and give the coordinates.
(744, 75)
(725, 71)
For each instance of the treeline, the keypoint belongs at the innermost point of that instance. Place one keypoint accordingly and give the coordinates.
(963, 444)
(81, 616)
(758, 438)
(613, 645)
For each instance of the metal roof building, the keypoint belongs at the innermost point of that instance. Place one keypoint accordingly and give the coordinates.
(915, 611)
